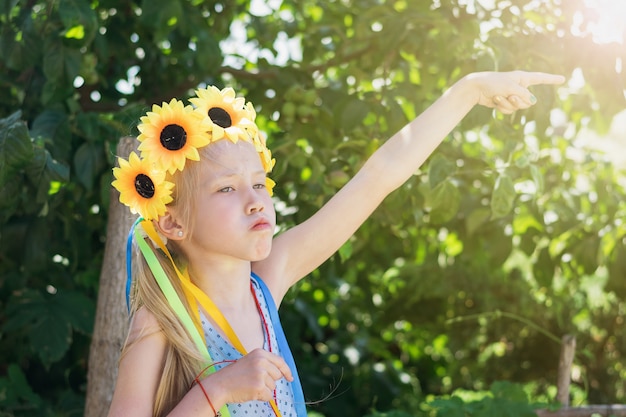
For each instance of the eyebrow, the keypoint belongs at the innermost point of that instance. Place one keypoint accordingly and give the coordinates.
(226, 174)
(231, 173)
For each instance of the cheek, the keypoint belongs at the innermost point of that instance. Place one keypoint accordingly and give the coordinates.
(209, 215)
(269, 207)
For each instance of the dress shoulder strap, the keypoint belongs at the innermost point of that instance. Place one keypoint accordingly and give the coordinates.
(283, 346)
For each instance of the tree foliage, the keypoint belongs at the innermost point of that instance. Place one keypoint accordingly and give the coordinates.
(511, 235)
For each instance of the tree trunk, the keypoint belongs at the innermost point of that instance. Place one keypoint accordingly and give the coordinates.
(568, 350)
(111, 324)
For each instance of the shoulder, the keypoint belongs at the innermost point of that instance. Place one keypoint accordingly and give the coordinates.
(267, 282)
(143, 324)
(145, 337)
(140, 367)
(146, 343)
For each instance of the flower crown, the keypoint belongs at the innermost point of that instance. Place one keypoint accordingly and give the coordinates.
(172, 133)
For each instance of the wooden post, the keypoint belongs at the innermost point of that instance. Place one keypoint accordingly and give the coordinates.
(568, 348)
(111, 323)
(615, 410)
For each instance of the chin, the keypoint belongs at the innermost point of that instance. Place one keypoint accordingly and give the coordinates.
(264, 254)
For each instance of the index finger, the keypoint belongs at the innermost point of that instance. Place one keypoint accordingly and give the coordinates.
(282, 367)
(535, 78)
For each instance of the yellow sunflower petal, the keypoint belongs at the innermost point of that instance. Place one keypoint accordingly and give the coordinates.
(264, 153)
(269, 185)
(172, 133)
(251, 112)
(142, 188)
(224, 111)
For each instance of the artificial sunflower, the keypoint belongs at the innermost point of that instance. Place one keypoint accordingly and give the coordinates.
(258, 140)
(269, 185)
(229, 116)
(252, 129)
(171, 134)
(141, 187)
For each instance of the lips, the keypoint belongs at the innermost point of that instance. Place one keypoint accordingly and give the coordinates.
(261, 224)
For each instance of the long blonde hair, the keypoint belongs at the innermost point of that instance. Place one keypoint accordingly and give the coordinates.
(183, 361)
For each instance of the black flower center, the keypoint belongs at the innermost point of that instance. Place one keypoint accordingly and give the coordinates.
(173, 137)
(220, 117)
(144, 186)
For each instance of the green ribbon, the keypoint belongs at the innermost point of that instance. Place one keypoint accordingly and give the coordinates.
(175, 303)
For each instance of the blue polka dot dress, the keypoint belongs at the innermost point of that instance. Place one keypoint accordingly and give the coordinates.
(221, 349)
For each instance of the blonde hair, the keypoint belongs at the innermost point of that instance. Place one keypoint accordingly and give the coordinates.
(183, 361)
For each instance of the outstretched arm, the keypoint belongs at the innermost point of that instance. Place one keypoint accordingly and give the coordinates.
(303, 248)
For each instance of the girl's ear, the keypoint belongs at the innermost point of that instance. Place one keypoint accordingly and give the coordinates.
(169, 227)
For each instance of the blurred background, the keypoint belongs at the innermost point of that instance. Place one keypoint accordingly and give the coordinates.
(457, 290)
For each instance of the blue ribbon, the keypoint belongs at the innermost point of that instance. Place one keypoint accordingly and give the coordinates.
(129, 261)
(283, 347)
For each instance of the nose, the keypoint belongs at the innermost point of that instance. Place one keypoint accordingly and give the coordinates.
(255, 202)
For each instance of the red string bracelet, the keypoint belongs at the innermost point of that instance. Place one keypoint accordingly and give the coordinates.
(197, 381)
(215, 413)
(207, 368)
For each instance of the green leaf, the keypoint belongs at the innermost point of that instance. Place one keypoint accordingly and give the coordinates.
(87, 162)
(509, 391)
(16, 148)
(537, 176)
(543, 268)
(500, 407)
(43, 170)
(209, 54)
(78, 13)
(20, 385)
(525, 221)
(445, 201)
(503, 197)
(51, 336)
(449, 407)
(71, 64)
(76, 309)
(49, 319)
(586, 253)
(61, 64)
(9, 203)
(20, 52)
(345, 251)
(35, 253)
(350, 113)
(47, 123)
(617, 272)
(396, 117)
(439, 169)
(161, 14)
(53, 60)
(476, 219)
(55, 170)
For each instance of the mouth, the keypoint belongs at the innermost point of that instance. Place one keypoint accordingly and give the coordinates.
(261, 224)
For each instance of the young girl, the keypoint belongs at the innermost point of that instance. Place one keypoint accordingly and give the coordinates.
(205, 339)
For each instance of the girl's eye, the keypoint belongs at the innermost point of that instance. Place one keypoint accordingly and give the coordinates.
(259, 186)
(226, 189)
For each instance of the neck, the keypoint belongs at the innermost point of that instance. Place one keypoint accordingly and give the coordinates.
(226, 283)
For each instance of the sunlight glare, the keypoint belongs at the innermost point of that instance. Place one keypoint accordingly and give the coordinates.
(606, 20)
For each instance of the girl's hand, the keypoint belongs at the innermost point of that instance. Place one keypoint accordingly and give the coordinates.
(508, 91)
(252, 377)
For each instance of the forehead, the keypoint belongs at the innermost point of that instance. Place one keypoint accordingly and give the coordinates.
(224, 155)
